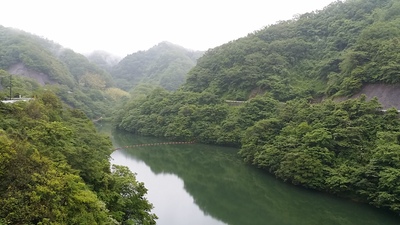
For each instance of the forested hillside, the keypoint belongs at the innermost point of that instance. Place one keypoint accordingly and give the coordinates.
(54, 169)
(37, 62)
(329, 52)
(290, 123)
(164, 65)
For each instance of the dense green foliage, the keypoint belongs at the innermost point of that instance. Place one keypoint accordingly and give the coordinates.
(164, 65)
(348, 148)
(54, 169)
(225, 188)
(19, 85)
(332, 51)
(80, 83)
(80, 67)
(54, 165)
(19, 47)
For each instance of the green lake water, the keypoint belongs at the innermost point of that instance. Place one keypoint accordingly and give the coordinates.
(202, 184)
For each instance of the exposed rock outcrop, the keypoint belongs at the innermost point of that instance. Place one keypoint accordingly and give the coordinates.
(387, 94)
(21, 70)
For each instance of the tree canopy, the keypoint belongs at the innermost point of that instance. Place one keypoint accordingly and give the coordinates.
(333, 51)
(35, 62)
(164, 65)
(289, 120)
(54, 169)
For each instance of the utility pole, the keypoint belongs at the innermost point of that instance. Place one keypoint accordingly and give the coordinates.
(10, 85)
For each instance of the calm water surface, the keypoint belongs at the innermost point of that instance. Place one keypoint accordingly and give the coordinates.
(202, 184)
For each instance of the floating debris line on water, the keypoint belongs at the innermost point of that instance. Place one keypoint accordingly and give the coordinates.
(153, 144)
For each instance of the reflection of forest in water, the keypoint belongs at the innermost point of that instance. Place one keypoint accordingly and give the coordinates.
(235, 193)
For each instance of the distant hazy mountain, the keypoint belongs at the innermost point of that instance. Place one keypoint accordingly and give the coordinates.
(103, 59)
(165, 64)
(32, 59)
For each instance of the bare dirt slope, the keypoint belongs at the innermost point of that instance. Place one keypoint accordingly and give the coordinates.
(21, 70)
(387, 94)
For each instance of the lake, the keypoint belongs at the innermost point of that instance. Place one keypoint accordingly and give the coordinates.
(203, 184)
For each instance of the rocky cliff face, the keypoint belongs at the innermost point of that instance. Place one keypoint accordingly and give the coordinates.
(21, 70)
(387, 94)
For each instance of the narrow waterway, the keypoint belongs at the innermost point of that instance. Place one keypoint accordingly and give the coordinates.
(202, 184)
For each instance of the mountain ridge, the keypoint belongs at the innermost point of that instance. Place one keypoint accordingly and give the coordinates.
(328, 52)
(303, 116)
(165, 65)
(78, 82)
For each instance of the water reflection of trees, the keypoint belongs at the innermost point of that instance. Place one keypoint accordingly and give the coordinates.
(235, 193)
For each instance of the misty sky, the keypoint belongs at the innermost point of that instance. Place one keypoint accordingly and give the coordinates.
(123, 27)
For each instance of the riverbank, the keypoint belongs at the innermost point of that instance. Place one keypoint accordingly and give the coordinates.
(203, 184)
